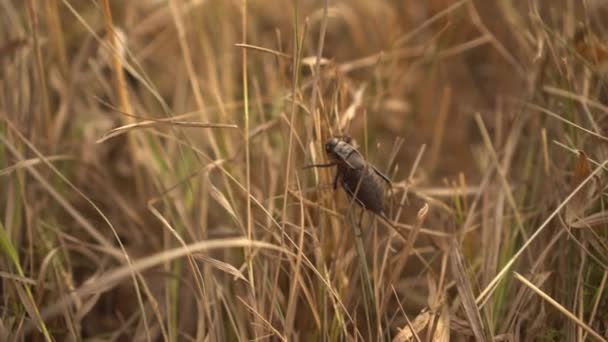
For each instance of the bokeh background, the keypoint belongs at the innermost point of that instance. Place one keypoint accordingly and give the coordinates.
(152, 183)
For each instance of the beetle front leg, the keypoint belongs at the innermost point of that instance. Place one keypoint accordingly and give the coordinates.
(319, 165)
(336, 180)
(382, 175)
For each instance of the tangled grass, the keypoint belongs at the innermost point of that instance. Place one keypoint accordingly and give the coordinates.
(151, 182)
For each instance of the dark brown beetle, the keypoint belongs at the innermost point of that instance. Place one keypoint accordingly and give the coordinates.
(361, 180)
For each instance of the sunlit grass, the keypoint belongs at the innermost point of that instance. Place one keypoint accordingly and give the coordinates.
(152, 183)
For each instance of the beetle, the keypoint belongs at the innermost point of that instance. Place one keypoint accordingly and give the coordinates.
(361, 181)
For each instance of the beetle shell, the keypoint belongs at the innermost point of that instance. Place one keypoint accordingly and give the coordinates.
(364, 185)
(359, 179)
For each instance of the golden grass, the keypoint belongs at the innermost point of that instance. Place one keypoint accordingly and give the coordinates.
(152, 183)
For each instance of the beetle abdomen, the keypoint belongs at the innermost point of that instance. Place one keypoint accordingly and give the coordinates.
(369, 193)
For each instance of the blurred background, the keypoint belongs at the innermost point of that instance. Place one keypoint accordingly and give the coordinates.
(152, 183)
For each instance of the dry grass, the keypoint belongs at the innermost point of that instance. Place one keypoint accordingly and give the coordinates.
(151, 182)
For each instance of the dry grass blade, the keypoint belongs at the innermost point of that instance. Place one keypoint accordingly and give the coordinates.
(27, 300)
(413, 235)
(465, 291)
(159, 123)
(560, 307)
(18, 278)
(421, 230)
(485, 294)
(223, 266)
(219, 197)
(562, 119)
(247, 117)
(440, 125)
(86, 224)
(263, 49)
(592, 220)
(582, 99)
(262, 319)
(500, 48)
(583, 200)
(352, 109)
(599, 297)
(111, 278)
(24, 293)
(32, 162)
(407, 320)
(117, 65)
(447, 192)
(32, 9)
(503, 175)
(103, 210)
(292, 300)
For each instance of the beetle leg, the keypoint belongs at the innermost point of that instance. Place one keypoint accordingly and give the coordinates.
(336, 177)
(389, 183)
(382, 175)
(319, 165)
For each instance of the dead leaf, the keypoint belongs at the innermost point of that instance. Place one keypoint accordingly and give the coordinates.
(422, 325)
(442, 330)
(418, 325)
(581, 169)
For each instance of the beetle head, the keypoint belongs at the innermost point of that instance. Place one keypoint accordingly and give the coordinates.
(330, 145)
